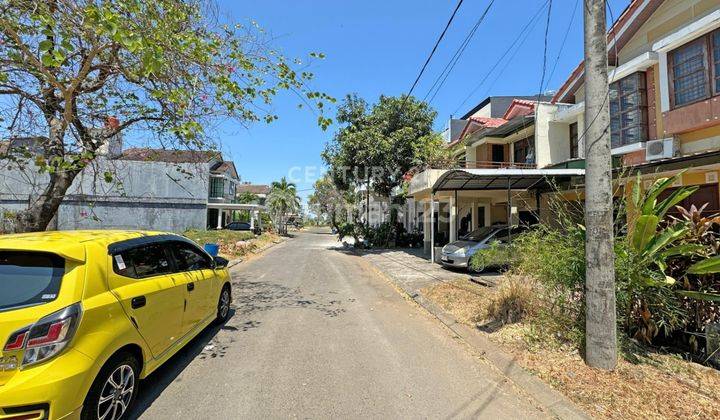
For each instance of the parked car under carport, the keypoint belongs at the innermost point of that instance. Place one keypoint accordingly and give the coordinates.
(458, 254)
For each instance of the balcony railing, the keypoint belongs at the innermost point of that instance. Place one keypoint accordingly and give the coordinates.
(424, 178)
(482, 164)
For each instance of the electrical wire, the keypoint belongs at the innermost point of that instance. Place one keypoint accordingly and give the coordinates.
(502, 57)
(456, 57)
(440, 38)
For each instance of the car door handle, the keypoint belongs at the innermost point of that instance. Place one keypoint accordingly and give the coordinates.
(191, 286)
(138, 302)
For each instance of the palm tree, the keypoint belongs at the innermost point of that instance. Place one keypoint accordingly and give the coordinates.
(283, 199)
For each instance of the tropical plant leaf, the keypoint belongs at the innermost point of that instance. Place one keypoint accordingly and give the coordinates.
(665, 238)
(706, 266)
(645, 227)
(684, 250)
(636, 191)
(674, 198)
(712, 297)
(648, 205)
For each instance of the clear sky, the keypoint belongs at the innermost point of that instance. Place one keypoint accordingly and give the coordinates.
(376, 47)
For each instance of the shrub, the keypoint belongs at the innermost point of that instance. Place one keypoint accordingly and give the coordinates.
(496, 255)
(515, 299)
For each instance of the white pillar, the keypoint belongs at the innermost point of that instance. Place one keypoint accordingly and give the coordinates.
(453, 217)
(252, 219)
(219, 224)
(432, 227)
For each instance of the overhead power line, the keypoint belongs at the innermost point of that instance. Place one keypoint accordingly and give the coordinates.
(502, 57)
(440, 80)
(440, 38)
(564, 40)
(545, 47)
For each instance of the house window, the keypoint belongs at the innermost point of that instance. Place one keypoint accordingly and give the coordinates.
(574, 152)
(628, 110)
(695, 70)
(217, 187)
(524, 151)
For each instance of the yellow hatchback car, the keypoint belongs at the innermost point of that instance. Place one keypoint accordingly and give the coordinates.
(85, 315)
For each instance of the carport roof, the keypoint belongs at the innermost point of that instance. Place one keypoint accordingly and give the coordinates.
(498, 179)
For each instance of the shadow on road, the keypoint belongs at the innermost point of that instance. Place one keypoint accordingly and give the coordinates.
(152, 386)
(252, 297)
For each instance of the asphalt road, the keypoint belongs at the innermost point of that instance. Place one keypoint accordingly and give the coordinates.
(316, 333)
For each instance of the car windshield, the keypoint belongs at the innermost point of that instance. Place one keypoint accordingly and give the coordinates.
(29, 278)
(479, 234)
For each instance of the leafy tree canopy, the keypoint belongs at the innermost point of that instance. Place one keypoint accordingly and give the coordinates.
(329, 201)
(380, 143)
(166, 67)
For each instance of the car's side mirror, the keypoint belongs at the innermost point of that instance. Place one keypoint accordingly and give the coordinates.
(220, 262)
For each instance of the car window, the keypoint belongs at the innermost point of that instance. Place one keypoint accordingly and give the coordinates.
(29, 278)
(479, 234)
(503, 235)
(143, 261)
(189, 257)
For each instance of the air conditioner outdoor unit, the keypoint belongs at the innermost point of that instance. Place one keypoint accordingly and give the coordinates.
(660, 149)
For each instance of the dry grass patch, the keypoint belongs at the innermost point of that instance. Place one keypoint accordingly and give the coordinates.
(655, 386)
(467, 301)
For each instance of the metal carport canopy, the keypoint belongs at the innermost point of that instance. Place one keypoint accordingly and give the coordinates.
(502, 178)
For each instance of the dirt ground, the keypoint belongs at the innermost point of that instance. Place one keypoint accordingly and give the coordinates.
(654, 385)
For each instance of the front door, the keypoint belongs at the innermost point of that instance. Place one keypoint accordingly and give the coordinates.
(142, 281)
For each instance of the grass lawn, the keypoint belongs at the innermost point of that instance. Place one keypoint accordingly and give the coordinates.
(233, 244)
(646, 383)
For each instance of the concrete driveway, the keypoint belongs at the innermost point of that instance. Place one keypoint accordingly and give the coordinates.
(316, 333)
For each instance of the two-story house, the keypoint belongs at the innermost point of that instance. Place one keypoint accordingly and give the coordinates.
(506, 152)
(664, 100)
(664, 94)
(153, 189)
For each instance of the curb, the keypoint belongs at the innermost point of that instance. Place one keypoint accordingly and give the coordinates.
(556, 403)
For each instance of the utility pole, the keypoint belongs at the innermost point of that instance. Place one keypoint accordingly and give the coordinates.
(600, 316)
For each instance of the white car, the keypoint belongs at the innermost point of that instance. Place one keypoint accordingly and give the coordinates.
(457, 254)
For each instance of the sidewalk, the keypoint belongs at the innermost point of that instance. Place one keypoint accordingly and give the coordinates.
(410, 272)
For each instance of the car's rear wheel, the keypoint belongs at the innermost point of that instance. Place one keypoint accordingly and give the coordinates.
(112, 394)
(223, 308)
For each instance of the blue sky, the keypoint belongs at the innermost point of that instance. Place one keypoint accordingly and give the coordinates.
(376, 47)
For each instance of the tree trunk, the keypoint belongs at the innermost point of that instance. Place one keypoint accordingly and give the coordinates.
(600, 323)
(41, 211)
(333, 221)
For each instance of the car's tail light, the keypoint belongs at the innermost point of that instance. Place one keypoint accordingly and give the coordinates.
(47, 337)
(16, 340)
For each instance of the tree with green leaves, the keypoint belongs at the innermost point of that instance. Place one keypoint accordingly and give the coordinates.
(247, 197)
(283, 200)
(379, 144)
(165, 68)
(328, 201)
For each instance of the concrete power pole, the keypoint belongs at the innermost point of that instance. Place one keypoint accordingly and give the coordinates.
(600, 324)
